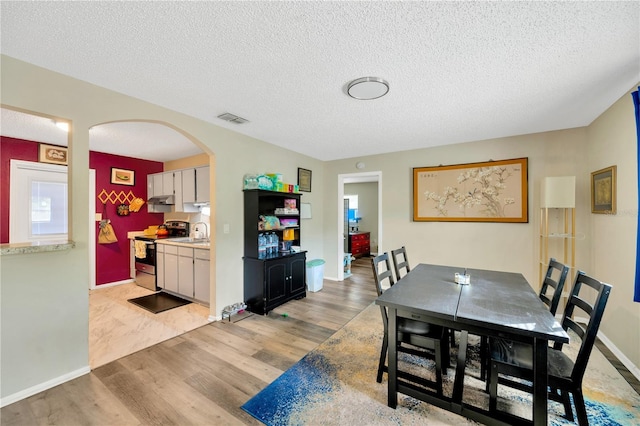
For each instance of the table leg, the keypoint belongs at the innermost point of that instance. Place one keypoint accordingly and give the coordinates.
(458, 382)
(540, 381)
(392, 369)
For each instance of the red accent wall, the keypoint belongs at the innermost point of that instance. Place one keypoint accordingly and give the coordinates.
(16, 149)
(112, 260)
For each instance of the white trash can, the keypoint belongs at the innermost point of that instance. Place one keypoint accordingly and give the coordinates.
(315, 273)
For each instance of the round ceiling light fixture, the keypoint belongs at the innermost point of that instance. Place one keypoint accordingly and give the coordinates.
(367, 88)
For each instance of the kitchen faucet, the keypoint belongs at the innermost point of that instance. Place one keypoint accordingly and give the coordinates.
(206, 229)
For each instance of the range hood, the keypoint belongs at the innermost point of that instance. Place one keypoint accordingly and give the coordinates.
(162, 200)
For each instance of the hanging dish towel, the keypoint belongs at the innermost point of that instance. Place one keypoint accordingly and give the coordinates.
(141, 249)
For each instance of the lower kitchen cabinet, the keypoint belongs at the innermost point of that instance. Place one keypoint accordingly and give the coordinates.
(201, 276)
(184, 271)
(268, 283)
(170, 281)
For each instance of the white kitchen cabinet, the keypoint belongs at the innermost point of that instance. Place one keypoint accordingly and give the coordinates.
(177, 192)
(202, 184)
(157, 184)
(189, 185)
(185, 272)
(201, 275)
(167, 183)
(187, 191)
(171, 268)
(150, 190)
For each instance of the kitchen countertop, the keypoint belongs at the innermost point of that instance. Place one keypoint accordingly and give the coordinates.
(204, 245)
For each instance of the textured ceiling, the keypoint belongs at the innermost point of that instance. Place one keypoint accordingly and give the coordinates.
(458, 71)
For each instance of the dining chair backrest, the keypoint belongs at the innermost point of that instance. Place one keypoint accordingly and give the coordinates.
(557, 284)
(594, 312)
(381, 272)
(400, 261)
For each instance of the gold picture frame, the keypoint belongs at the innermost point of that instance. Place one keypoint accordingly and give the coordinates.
(492, 191)
(603, 190)
(53, 154)
(123, 177)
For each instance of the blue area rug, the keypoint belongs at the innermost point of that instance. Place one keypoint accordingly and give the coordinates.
(335, 384)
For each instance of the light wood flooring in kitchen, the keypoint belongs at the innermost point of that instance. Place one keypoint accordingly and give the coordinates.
(202, 376)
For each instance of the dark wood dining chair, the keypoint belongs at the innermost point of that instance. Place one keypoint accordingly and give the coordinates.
(550, 282)
(565, 375)
(414, 337)
(400, 262)
(555, 279)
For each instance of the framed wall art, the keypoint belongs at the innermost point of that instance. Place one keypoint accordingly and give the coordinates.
(304, 180)
(492, 191)
(603, 191)
(53, 154)
(123, 177)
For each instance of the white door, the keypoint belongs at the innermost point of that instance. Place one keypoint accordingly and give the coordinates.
(38, 202)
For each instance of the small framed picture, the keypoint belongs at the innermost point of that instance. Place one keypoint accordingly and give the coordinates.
(123, 177)
(304, 179)
(53, 154)
(603, 191)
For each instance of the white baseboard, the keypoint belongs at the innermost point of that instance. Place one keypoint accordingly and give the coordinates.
(613, 348)
(113, 284)
(44, 386)
(214, 318)
(623, 359)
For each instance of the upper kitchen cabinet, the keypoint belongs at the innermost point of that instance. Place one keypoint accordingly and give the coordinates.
(195, 185)
(185, 189)
(195, 188)
(202, 184)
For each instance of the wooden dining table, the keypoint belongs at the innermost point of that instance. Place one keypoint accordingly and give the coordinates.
(494, 304)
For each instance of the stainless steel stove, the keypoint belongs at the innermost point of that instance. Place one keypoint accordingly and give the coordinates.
(146, 259)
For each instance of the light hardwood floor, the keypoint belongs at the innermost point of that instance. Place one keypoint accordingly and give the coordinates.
(202, 376)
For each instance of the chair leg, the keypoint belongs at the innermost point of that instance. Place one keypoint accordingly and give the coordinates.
(568, 412)
(452, 336)
(581, 410)
(438, 354)
(493, 387)
(383, 357)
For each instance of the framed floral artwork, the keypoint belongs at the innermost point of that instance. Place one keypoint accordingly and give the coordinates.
(492, 191)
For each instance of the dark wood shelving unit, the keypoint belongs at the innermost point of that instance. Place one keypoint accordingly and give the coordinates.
(271, 280)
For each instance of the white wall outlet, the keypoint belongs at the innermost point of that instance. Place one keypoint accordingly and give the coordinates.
(225, 228)
(98, 217)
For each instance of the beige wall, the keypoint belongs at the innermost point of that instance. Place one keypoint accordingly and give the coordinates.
(184, 163)
(612, 141)
(44, 297)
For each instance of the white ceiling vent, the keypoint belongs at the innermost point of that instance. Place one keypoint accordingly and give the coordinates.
(232, 118)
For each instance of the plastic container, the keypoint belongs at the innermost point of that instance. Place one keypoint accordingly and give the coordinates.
(315, 273)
